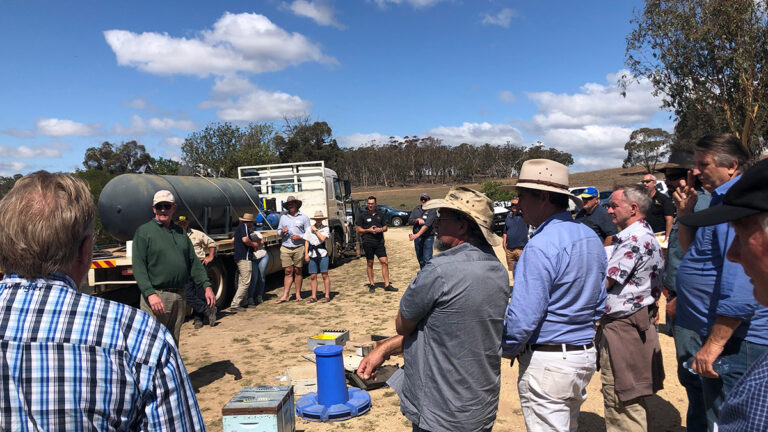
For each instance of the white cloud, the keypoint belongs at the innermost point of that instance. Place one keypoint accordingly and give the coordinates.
(8, 168)
(245, 42)
(137, 103)
(59, 128)
(140, 126)
(173, 141)
(238, 99)
(360, 139)
(502, 19)
(319, 11)
(477, 133)
(18, 133)
(166, 123)
(507, 96)
(24, 152)
(137, 127)
(419, 4)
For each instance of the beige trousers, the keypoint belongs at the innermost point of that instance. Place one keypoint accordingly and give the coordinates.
(244, 267)
(175, 309)
(629, 416)
(513, 255)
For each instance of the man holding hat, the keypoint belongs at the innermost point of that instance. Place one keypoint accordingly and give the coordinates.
(243, 246)
(449, 323)
(164, 260)
(745, 206)
(292, 227)
(423, 237)
(559, 294)
(595, 216)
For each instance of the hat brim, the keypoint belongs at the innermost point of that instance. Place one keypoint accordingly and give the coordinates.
(673, 166)
(488, 233)
(576, 200)
(298, 203)
(319, 218)
(717, 215)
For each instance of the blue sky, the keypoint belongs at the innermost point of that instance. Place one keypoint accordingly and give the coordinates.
(78, 73)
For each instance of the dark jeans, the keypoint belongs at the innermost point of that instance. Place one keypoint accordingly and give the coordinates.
(258, 277)
(423, 247)
(195, 296)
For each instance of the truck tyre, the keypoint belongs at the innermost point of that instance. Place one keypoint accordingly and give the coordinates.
(396, 221)
(217, 275)
(334, 253)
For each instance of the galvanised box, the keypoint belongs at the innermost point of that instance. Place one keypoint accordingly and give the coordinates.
(260, 409)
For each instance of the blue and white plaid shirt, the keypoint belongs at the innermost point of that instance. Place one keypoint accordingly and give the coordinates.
(746, 408)
(69, 361)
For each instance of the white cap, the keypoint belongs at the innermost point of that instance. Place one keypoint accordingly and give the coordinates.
(163, 196)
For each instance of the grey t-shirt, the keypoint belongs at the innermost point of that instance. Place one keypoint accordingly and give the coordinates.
(451, 377)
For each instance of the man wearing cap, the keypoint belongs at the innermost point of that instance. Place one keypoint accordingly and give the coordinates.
(205, 249)
(630, 355)
(292, 227)
(559, 293)
(243, 246)
(515, 236)
(717, 318)
(745, 205)
(164, 261)
(422, 237)
(595, 216)
(661, 215)
(371, 228)
(449, 323)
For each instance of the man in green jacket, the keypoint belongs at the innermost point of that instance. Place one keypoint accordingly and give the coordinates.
(164, 261)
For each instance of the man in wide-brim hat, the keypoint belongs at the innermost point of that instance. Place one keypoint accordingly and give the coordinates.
(450, 321)
(290, 201)
(243, 246)
(291, 228)
(557, 297)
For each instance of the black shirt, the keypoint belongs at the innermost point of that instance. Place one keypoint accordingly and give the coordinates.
(242, 251)
(661, 205)
(599, 220)
(368, 220)
(427, 215)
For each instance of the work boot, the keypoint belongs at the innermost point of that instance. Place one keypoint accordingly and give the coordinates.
(390, 288)
(259, 300)
(212, 316)
(198, 323)
(251, 302)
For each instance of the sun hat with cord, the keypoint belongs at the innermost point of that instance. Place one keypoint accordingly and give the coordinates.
(319, 215)
(247, 217)
(473, 204)
(546, 175)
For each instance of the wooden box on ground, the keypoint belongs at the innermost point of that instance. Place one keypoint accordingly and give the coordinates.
(260, 409)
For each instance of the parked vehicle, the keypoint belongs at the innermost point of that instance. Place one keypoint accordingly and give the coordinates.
(392, 216)
(499, 219)
(605, 197)
(576, 191)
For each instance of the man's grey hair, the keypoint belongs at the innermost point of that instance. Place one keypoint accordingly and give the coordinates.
(725, 148)
(44, 220)
(637, 194)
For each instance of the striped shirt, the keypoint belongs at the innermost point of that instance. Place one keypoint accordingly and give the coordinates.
(69, 361)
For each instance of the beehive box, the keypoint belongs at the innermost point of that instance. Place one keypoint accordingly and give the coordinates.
(328, 337)
(260, 409)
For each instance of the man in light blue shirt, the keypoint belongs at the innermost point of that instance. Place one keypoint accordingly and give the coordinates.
(558, 295)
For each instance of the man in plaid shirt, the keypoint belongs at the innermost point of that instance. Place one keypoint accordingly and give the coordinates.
(69, 361)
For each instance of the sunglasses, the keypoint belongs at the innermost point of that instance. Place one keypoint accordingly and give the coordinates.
(648, 181)
(163, 206)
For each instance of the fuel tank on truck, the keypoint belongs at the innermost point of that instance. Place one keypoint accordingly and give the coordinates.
(211, 204)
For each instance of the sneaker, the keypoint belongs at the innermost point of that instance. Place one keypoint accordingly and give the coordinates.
(212, 316)
(198, 323)
(371, 288)
(259, 300)
(237, 309)
(251, 302)
(390, 288)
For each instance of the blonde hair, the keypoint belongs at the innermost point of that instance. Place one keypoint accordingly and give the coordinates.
(43, 221)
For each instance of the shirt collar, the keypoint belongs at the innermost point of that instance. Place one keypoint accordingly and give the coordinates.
(637, 227)
(723, 188)
(555, 218)
(56, 278)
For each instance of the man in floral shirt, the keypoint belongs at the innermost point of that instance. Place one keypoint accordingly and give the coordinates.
(630, 354)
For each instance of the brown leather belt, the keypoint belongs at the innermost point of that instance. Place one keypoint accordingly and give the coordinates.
(559, 347)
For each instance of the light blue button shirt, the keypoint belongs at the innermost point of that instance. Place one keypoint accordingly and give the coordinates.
(559, 289)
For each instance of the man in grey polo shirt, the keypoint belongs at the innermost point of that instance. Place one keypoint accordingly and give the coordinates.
(450, 322)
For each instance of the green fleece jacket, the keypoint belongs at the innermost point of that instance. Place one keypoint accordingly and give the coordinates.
(164, 259)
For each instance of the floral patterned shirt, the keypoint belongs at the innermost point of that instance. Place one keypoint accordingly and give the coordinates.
(636, 265)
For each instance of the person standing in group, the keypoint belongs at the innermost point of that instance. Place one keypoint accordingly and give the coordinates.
(259, 263)
(243, 246)
(371, 226)
(423, 237)
(515, 236)
(745, 205)
(559, 293)
(661, 215)
(631, 366)
(316, 256)
(449, 324)
(164, 261)
(292, 227)
(595, 216)
(717, 317)
(205, 249)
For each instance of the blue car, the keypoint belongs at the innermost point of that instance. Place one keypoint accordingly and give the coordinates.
(392, 216)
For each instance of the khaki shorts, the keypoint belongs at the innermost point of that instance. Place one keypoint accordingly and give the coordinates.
(292, 257)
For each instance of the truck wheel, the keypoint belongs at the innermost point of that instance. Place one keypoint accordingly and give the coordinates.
(335, 251)
(217, 275)
(396, 222)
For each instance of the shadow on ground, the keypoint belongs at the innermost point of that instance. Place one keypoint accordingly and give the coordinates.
(213, 372)
(664, 417)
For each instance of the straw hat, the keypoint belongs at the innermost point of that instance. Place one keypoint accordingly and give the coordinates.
(546, 175)
(291, 199)
(319, 215)
(473, 204)
(248, 217)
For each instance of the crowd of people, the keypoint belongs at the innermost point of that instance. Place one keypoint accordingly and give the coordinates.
(584, 299)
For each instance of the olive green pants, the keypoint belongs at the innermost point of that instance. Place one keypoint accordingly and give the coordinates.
(175, 309)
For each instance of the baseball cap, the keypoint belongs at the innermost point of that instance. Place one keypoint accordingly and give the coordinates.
(590, 192)
(163, 196)
(747, 197)
(425, 196)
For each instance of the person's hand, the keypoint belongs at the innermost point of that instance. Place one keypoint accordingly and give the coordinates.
(295, 236)
(156, 304)
(672, 308)
(702, 362)
(284, 231)
(369, 364)
(314, 228)
(685, 196)
(210, 298)
(418, 221)
(306, 258)
(207, 260)
(374, 229)
(411, 237)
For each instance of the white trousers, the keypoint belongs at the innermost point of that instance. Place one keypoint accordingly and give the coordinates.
(552, 387)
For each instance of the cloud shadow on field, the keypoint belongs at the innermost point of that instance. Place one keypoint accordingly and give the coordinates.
(213, 372)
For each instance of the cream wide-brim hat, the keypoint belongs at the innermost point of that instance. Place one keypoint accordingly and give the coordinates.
(473, 204)
(546, 175)
(248, 217)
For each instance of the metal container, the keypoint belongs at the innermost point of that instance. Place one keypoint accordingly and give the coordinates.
(260, 409)
(328, 337)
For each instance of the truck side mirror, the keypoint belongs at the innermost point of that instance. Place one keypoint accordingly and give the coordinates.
(347, 188)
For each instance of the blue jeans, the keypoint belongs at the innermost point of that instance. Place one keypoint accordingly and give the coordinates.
(687, 344)
(258, 277)
(423, 247)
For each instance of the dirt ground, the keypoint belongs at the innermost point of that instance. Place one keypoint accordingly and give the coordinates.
(259, 345)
